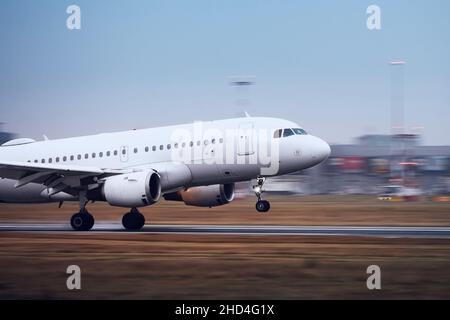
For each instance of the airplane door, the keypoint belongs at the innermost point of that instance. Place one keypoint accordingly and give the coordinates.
(124, 153)
(245, 139)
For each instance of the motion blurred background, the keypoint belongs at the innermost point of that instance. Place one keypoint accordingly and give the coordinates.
(380, 98)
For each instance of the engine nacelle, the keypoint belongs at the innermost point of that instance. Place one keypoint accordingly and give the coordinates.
(133, 190)
(204, 196)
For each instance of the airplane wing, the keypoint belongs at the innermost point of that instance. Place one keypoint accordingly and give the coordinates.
(58, 177)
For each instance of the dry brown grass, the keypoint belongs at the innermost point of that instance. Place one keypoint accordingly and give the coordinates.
(147, 266)
(152, 266)
(289, 210)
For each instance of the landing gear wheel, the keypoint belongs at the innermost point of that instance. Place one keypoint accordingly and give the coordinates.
(263, 206)
(133, 220)
(82, 221)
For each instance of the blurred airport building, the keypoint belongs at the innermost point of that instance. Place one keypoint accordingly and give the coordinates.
(370, 165)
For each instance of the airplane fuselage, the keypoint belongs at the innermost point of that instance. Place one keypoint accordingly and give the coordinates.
(215, 152)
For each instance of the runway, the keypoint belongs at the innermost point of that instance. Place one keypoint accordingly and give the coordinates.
(376, 231)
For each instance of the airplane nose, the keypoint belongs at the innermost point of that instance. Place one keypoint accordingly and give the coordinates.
(325, 150)
(321, 150)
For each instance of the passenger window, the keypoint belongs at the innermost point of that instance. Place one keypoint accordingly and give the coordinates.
(191, 143)
(93, 155)
(135, 150)
(161, 147)
(50, 160)
(115, 152)
(154, 148)
(175, 145)
(288, 132)
(43, 160)
(79, 157)
(64, 158)
(57, 159)
(124, 151)
(146, 149)
(168, 147)
(35, 161)
(108, 153)
(206, 142)
(72, 158)
(100, 154)
(86, 156)
(183, 145)
(221, 140)
(198, 143)
(277, 133)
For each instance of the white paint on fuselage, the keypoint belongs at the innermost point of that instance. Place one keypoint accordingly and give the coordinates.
(296, 153)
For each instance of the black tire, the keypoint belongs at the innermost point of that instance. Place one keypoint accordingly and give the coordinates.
(133, 221)
(262, 206)
(90, 221)
(82, 221)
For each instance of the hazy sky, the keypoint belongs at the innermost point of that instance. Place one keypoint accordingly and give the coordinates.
(137, 64)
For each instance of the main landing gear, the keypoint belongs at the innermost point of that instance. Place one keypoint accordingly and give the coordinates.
(83, 220)
(133, 220)
(261, 205)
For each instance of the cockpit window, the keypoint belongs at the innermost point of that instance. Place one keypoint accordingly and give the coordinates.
(277, 133)
(299, 131)
(288, 132)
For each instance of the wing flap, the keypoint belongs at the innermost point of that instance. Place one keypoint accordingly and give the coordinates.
(30, 178)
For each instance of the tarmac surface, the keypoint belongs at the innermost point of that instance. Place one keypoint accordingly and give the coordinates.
(375, 231)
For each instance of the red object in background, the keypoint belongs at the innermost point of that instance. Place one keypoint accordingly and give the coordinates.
(353, 164)
(410, 198)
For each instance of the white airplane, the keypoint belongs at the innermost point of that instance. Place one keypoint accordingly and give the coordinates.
(197, 163)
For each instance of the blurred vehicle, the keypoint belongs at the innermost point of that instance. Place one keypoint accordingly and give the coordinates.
(399, 193)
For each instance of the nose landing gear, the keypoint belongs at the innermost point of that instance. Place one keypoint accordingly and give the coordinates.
(261, 205)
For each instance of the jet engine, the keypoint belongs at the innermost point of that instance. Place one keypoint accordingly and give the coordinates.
(132, 190)
(204, 196)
